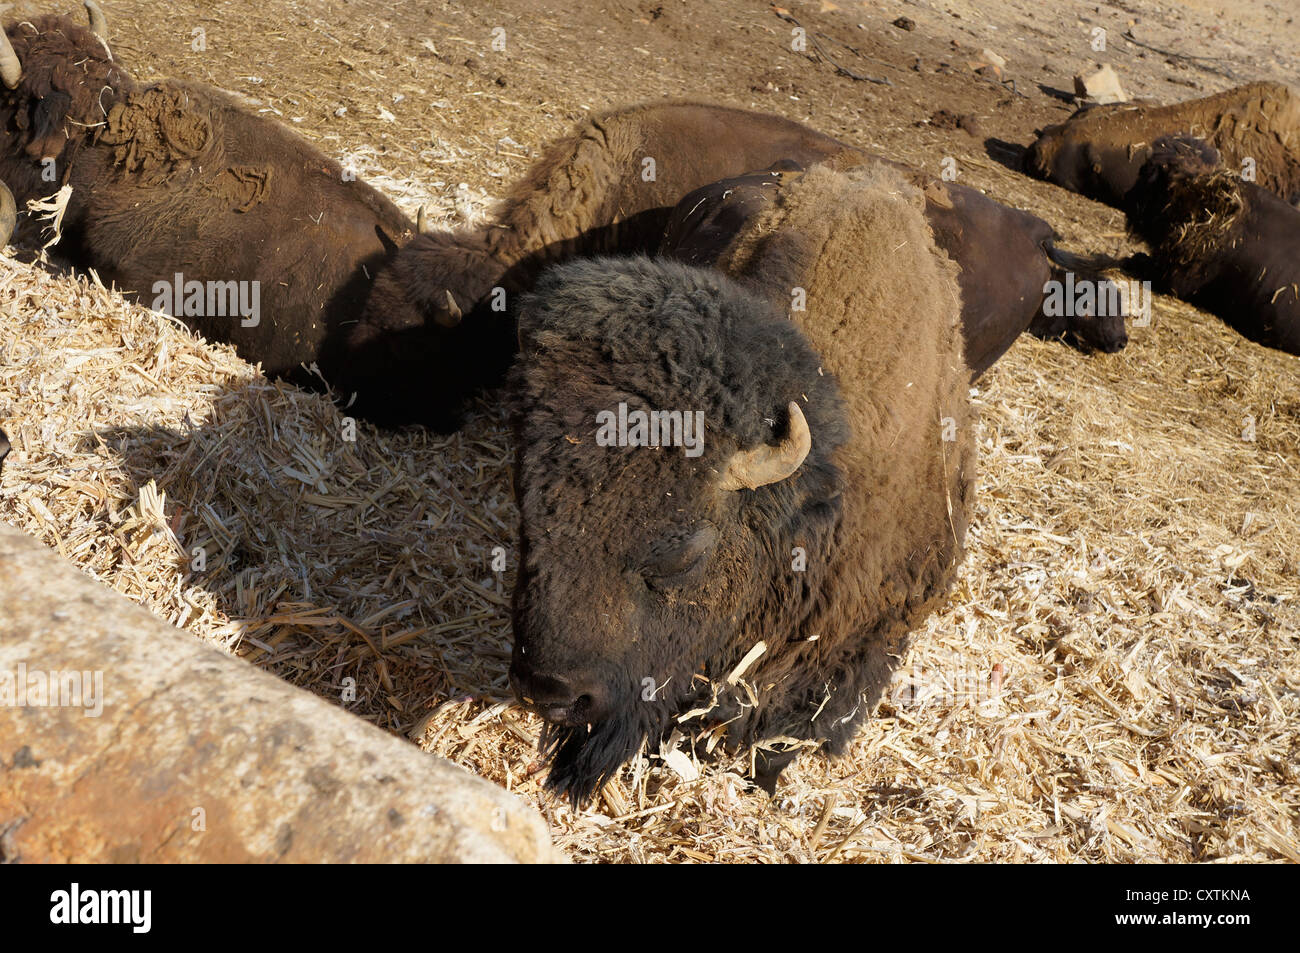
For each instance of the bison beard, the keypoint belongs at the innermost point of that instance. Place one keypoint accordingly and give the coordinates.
(823, 435)
(582, 758)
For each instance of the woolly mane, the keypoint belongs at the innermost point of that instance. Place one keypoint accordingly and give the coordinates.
(883, 309)
(69, 83)
(880, 504)
(1184, 205)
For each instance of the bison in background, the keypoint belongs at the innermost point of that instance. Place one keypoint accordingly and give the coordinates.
(439, 334)
(4, 449)
(1222, 244)
(1006, 256)
(820, 520)
(275, 245)
(1098, 151)
(433, 330)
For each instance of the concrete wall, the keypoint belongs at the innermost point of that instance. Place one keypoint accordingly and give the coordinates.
(190, 737)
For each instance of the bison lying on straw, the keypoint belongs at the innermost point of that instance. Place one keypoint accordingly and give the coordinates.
(761, 586)
(183, 195)
(1222, 244)
(1098, 151)
(609, 187)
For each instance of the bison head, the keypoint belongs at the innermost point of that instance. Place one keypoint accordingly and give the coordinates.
(1105, 333)
(648, 572)
(420, 348)
(61, 81)
(1082, 155)
(1184, 202)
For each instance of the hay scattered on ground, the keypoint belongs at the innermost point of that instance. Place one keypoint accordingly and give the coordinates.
(1116, 677)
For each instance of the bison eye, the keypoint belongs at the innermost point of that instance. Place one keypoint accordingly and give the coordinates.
(679, 560)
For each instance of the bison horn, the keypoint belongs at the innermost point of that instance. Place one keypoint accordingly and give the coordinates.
(448, 314)
(98, 22)
(421, 223)
(11, 71)
(8, 214)
(750, 469)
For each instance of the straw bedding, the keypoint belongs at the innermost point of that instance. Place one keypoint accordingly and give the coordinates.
(1116, 676)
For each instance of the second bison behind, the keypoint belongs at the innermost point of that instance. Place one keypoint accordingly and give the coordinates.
(824, 518)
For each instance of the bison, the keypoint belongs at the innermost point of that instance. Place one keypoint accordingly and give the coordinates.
(1222, 244)
(433, 329)
(760, 582)
(438, 332)
(1006, 257)
(185, 197)
(4, 449)
(1098, 151)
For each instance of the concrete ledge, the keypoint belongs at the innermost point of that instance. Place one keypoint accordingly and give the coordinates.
(198, 756)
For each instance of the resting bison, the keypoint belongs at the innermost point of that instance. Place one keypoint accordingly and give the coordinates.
(4, 448)
(607, 187)
(1006, 256)
(1222, 244)
(819, 519)
(1098, 151)
(274, 247)
(588, 195)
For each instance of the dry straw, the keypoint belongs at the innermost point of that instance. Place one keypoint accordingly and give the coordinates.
(1115, 678)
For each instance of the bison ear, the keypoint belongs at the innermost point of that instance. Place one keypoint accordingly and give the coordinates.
(391, 247)
(750, 469)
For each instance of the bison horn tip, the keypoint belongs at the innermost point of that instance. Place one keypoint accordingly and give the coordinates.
(750, 469)
(8, 221)
(448, 313)
(98, 22)
(11, 70)
(421, 222)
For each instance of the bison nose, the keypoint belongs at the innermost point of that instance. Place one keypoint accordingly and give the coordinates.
(565, 700)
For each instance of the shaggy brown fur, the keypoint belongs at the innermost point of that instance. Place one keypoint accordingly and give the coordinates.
(636, 564)
(587, 194)
(1098, 151)
(1005, 255)
(177, 177)
(1223, 244)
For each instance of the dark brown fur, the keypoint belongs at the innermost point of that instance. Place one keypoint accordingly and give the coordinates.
(178, 177)
(1098, 151)
(635, 563)
(1222, 244)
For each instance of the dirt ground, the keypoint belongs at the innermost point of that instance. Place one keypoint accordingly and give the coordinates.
(1116, 676)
